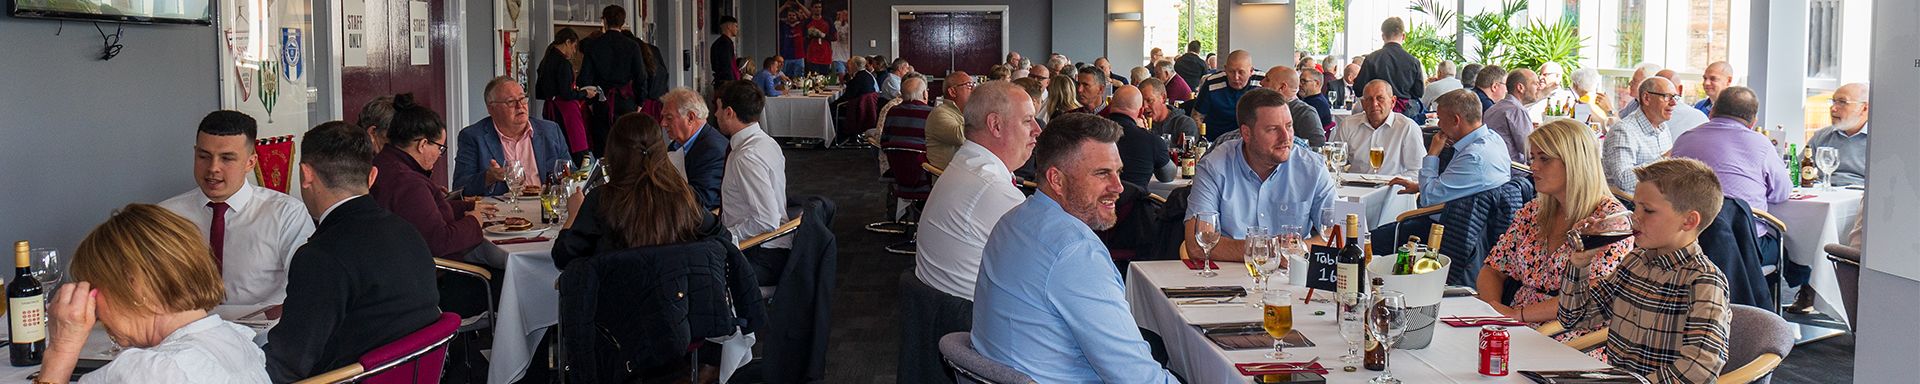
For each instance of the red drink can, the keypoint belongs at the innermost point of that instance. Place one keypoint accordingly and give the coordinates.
(1493, 350)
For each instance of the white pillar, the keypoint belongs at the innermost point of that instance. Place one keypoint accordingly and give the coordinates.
(1885, 343)
(1779, 66)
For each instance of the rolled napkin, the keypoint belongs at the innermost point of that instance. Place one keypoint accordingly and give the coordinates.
(1477, 321)
(1194, 264)
(518, 240)
(1251, 369)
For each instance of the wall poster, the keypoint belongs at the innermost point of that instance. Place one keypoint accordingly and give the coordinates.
(355, 18)
(815, 31)
(417, 32)
(263, 62)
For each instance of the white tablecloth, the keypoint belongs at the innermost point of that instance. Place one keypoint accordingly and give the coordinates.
(528, 301)
(1452, 357)
(799, 116)
(1812, 223)
(1374, 205)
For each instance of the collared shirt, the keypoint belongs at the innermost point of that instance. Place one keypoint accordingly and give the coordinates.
(767, 82)
(264, 227)
(1440, 87)
(1509, 119)
(1631, 143)
(205, 351)
(1704, 106)
(891, 86)
(1479, 164)
(946, 132)
(1294, 194)
(1050, 304)
(970, 197)
(1399, 138)
(1852, 167)
(1666, 314)
(753, 192)
(520, 150)
(1748, 166)
(677, 152)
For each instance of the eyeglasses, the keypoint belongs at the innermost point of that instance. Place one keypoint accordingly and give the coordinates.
(442, 146)
(522, 101)
(1657, 96)
(968, 85)
(1844, 102)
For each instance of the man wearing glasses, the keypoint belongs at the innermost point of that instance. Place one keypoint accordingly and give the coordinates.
(946, 127)
(1641, 137)
(488, 148)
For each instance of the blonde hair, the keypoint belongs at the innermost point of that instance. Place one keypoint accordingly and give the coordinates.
(150, 260)
(1586, 185)
(1060, 96)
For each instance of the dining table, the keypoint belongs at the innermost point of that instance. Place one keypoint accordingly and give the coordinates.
(1813, 219)
(529, 301)
(807, 115)
(1451, 357)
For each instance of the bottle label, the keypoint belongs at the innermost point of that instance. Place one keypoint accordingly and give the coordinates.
(1809, 173)
(1349, 279)
(29, 315)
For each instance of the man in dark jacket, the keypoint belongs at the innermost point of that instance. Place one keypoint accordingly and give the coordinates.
(699, 151)
(1190, 66)
(365, 278)
(612, 63)
(720, 58)
(1142, 153)
(1400, 69)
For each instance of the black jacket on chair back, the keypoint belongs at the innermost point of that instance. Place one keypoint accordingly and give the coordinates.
(363, 280)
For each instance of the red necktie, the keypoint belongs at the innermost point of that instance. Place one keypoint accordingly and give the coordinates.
(217, 234)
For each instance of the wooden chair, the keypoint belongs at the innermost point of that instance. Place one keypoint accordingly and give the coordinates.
(485, 319)
(1757, 341)
(1588, 342)
(930, 168)
(416, 358)
(783, 230)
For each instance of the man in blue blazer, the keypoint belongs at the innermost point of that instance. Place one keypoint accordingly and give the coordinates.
(698, 150)
(488, 146)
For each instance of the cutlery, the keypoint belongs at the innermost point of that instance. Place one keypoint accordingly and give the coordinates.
(1208, 300)
(1285, 366)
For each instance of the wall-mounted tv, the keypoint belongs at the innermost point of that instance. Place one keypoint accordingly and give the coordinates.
(195, 12)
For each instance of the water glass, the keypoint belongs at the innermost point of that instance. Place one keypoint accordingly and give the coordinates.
(1206, 236)
(1386, 322)
(1352, 309)
(516, 182)
(1827, 158)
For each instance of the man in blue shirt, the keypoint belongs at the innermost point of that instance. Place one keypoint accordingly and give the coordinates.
(768, 80)
(1717, 77)
(1480, 157)
(1048, 301)
(1220, 92)
(1267, 178)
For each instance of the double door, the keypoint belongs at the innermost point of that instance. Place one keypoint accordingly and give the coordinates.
(938, 43)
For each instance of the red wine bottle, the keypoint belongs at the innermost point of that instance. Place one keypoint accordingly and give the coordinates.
(26, 312)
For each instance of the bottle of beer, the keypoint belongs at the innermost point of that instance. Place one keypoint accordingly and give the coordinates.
(1808, 172)
(1352, 274)
(1376, 355)
(1793, 167)
(1403, 262)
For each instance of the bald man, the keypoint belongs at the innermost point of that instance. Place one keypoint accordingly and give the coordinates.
(946, 126)
(1848, 134)
(1684, 119)
(1142, 153)
(1221, 92)
(1718, 76)
(1306, 120)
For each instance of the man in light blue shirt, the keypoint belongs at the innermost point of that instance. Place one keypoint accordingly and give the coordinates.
(767, 79)
(1048, 301)
(1265, 178)
(1479, 161)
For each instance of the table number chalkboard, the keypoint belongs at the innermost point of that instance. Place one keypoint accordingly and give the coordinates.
(1323, 268)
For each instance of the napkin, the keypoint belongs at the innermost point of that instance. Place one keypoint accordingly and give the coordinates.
(1463, 322)
(1194, 264)
(518, 240)
(1251, 369)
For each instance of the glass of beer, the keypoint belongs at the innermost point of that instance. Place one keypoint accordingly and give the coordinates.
(1377, 155)
(1278, 319)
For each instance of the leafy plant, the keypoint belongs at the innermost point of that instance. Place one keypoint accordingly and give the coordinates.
(1492, 29)
(1318, 22)
(1206, 25)
(1539, 43)
(1425, 41)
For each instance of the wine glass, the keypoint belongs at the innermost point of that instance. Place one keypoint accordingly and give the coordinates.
(1596, 233)
(1207, 236)
(1337, 157)
(1376, 156)
(1826, 158)
(1277, 319)
(562, 170)
(1258, 251)
(516, 182)
(1352, 308)
(1386, 321)
(47, 267)
(1287, 244)
(1328, 220)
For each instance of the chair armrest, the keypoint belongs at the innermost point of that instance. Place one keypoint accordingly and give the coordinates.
(1551, 328)
(1760, 366)
(1843, 254)
(930, 168)
(462, 268)
(1029, 184)
(1157, 198)
(1773, 222)
(1420, 212)
(335, 376)
(1621, 193)
(1588, 342)
(1521, 167)
(783, 230)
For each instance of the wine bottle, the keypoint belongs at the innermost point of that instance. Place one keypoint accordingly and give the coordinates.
(1376, 356)
(1351, 273)
(26, 312)
(1808, 172)
(1430, 261)
(1403, 261)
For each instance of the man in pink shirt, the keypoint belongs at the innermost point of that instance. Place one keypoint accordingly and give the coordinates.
(489, 148)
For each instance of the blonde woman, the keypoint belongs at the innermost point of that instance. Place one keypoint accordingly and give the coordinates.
(1060, 97)
(147, 277)
(1571, 188)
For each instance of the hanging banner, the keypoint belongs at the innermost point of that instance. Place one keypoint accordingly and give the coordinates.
(418, 34)
(356, 32)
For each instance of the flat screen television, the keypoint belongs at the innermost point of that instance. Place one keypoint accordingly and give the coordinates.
(194, 12)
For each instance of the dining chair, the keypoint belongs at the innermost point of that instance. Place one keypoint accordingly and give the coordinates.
(1774, 273)
(416, 358)
(967, 363)
(1588, 342)
(1846, 269)
(910, 184)
(1757, 341)
(475, 325)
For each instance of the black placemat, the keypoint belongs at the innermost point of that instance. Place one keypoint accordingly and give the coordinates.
(1238, 336)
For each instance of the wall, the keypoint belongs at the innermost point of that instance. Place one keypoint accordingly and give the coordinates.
(478, 37)
(1126, 39)
(1074, 33)
(84, 137)
(1886, 344)
(1263, 30)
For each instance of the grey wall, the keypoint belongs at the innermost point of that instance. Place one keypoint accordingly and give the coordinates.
(478, 38)
(1886, 341)
(1031, 26)
(82, 137)
(1079, 30)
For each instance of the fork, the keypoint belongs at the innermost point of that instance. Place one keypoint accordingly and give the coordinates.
(1207, 300)
(1286, 366)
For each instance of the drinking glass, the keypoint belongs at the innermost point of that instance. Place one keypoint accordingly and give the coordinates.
(1352, 308)
(1207, 236)
(46, 266)
(1596, 233)
(1289, 245)
(1277, 319)
(1826, 158)
(562, 170)
(1259, 251)
(1376, 156)
(1337, 157)
(516, 182)
(556, 199)
(1386, 321)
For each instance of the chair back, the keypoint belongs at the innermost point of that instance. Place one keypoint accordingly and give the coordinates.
(799, 323)
(926, 315)
(275, 169)
(1846, 268)
(1474, 225)
(1133, 231)
(634, 311)
(1754, 332)
(1730, 241)
(414, 359)
(957, 347)
(862, 112)
(909, 180)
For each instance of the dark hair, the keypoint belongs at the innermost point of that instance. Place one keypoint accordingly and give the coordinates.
(613, 16)
(228, 123)
(1469, 73)
(743, 97)
(767, 63)
(1059, 144)
(340, 154)
(1193, 46)
(1489, 75)
(1518, 78)
(1737, 102)
(565, 35)
(377, 114)
(646, 202)
(728, 19)
(413, 122)
(1393, 27)
(1245, 110)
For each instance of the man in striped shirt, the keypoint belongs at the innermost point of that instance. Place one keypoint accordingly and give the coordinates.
(1666, 305)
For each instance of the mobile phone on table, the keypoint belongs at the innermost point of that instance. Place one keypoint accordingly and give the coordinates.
(84, 366)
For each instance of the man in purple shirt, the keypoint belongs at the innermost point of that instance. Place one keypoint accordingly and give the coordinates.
(1748, 166)
(1508, 117)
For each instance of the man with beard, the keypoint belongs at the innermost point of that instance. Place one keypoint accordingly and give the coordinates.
(1048, 302)
(1848, 134)
(1266, 178)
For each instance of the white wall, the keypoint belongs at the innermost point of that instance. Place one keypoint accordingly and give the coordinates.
(1126, 39)
(1263, 30)
(1886, 343)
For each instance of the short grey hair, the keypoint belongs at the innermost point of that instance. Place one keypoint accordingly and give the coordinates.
(683, 100)
(1056, 61)
(897, 63)
(1585, 79)
(912, 89)
(989, 97)
(857, 63)
(1141, 73)
(1445, 68)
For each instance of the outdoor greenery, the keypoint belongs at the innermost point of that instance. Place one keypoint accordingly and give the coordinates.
(1540, 43)
(1319, 22)
(1206, 25)
(1504, 36)
(1425, 41)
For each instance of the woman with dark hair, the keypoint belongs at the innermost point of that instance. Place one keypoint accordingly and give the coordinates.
(645, 202)
(416, 140)
(565, 100)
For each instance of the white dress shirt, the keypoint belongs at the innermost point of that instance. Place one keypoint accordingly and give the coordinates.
(264, 227)
(1399, 137)
(1437, 88)
(961, 211)
(1631, 143)
(1685, 118)
(753, 192)
(206, 351)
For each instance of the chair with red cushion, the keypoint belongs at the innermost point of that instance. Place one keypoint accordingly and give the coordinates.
(415, 359)
(911, 183)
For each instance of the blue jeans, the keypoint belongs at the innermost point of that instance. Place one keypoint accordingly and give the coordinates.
(795, 68)
(839, 67)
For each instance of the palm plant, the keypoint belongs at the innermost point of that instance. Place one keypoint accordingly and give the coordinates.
(1539, 43)
(1425, 42)
(1492, 29)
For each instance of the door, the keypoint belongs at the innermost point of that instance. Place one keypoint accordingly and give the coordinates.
(390, 69)
(938, 43)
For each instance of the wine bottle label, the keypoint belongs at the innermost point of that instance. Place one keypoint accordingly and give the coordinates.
(29, 318)
(1349, 279)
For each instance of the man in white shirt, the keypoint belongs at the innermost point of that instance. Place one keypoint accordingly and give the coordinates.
(1396, 135)
(1684, 119)
(1443, 81)
(251, 230)
(976, 189)
(1641, 137)
(753, 192)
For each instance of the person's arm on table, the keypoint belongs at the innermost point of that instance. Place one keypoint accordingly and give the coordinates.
(1094, 307)
(1205, 198)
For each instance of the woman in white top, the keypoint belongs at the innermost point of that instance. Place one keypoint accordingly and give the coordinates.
(149, 279)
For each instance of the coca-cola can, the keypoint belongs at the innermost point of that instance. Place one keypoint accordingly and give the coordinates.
(1493, 350)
